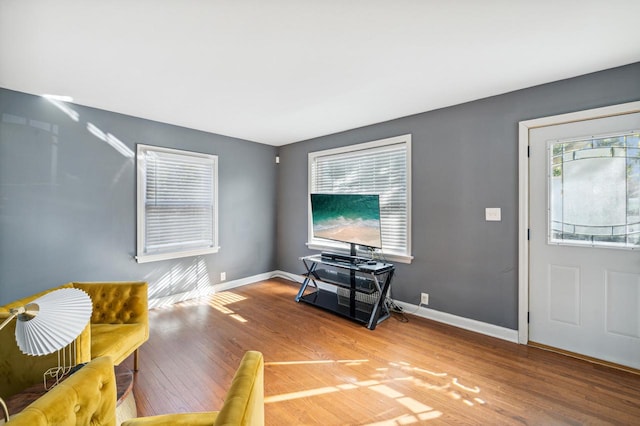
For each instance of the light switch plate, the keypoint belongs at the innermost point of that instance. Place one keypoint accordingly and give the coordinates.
(493, 214)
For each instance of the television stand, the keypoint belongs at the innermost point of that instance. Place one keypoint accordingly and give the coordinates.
(353, 290)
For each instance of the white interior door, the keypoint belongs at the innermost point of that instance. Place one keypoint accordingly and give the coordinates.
(584, 247)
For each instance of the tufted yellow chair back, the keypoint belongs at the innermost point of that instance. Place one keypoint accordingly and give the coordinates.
(120, 318)
(88, 397)
(117, 303)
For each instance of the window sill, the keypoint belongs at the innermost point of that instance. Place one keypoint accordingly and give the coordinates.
(145, 258)
(395, 257)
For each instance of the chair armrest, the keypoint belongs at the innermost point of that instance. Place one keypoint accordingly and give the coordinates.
(244, 401)
(243, 404)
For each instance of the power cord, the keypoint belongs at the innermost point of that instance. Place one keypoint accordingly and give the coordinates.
(395, 310)
(398, 311)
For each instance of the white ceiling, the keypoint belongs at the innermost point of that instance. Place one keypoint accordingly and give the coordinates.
(282, 71)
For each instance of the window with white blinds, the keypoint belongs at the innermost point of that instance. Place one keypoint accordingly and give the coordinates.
(177, 203)
(381, 167)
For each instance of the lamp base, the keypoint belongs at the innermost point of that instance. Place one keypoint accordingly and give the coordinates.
(66, 363)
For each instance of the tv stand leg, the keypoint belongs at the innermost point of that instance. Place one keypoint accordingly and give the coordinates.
(310, 271)
(379, 306)
(352, 293)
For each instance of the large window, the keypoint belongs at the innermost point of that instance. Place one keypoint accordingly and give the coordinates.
(177, 203)
(381, 167)
(594, 190)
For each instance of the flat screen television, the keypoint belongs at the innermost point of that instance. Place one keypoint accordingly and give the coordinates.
(348, 218)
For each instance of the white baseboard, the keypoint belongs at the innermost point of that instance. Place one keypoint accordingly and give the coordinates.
(443, 317)
(287, 276)
(215, 288)
(461, 322)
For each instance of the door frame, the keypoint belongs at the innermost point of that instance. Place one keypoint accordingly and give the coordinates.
(524, 128)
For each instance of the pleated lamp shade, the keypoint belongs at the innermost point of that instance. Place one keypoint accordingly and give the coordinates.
(52, 321)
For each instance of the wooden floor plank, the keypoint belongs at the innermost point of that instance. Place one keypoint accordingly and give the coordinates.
(324, 369)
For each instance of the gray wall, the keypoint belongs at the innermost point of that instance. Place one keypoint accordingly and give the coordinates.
(465, 158)
(67, 201)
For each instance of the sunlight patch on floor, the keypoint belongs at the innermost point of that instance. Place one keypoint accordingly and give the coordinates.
(220, 302)
(474, 389)
(386, 391)
(301, 394)
(381, 380)
(422, 370)
(238, 318)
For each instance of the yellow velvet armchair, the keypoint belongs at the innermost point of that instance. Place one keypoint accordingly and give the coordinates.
(87, 397)
(119, 325)
(243, 405)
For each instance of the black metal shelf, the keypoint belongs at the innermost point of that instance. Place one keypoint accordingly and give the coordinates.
(330, 301)
(360, 288)
(363, 284)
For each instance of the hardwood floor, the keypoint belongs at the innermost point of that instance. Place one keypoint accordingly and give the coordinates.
(323, 369)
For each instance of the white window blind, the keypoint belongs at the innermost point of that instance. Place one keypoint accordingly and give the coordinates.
(380, 167)
(177, 203)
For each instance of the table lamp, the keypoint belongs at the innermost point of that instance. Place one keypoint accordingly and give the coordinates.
(50, 323)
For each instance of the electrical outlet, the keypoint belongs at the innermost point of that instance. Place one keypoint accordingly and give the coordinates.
(424, 298)
(223, 276)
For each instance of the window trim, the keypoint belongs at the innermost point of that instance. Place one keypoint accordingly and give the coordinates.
(141, 257)
(341, 247)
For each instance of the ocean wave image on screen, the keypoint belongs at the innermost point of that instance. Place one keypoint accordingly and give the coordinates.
(351, 218)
